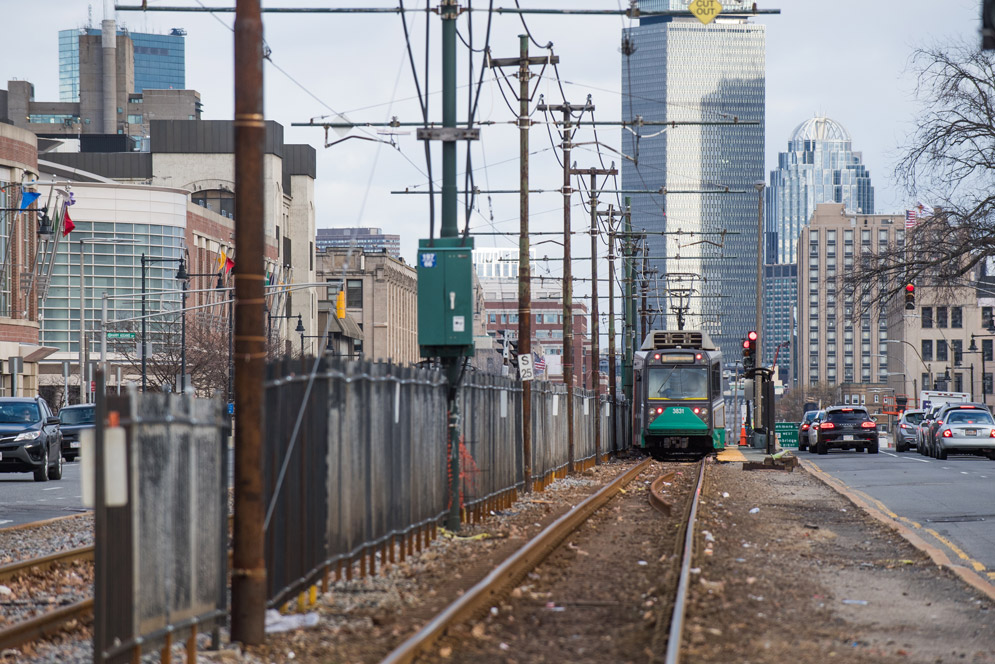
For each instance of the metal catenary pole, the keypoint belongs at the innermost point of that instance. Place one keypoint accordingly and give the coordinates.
(644, 312)
(450, 229)
(612, 377)
(593, 173)
(248, 585)
(524, 264)
(568, 328)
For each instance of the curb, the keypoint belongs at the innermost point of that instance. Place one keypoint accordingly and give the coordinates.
(938, 555)
(44, 522)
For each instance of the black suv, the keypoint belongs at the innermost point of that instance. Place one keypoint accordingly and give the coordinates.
(74, 420)
(845, 427)
(30, 440)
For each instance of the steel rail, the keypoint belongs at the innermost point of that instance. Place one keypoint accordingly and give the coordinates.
(656, 493)
(45, 562)
(43, 625)
(677, 617)
(511, 571)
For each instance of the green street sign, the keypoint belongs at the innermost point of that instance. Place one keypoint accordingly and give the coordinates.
(121, 335)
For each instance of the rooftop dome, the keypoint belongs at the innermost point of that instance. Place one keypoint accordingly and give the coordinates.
(820, 129)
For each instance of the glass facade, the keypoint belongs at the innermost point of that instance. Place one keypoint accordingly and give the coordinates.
(683, 70)
(115, 269)
(371, 240)
(819, 166)
(160, 61)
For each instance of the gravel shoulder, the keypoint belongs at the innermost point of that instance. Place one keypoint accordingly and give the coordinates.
(797, 573)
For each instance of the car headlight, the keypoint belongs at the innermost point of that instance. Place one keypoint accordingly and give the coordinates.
(27, 435)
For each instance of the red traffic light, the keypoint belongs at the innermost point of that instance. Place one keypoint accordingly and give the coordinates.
(910, 289)
(746, 343)
(752, 336)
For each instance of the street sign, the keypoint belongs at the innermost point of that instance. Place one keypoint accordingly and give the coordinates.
(525, 371)
(705, 10)
(121, 335)
(787, 433)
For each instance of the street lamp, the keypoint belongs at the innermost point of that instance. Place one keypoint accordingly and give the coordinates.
(973, 348)
(300, 330)
(84, 386)
(181, 275)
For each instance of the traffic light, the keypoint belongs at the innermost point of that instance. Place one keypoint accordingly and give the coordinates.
(340, 305)
(750, 351)
(988, 25)
(910, 297)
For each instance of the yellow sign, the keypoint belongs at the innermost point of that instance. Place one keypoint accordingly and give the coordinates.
(705, 10)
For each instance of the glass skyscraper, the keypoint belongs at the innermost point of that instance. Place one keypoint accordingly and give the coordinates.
(160, 60)
(679, 69)
(819, 166)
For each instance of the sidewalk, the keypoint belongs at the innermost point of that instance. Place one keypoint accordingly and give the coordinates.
(790, 568)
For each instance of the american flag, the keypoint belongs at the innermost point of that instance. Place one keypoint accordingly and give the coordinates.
(540, 363)
(910, 219)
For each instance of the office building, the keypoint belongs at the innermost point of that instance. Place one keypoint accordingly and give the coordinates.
(158, 60)
(678, 69)
(819, 166)
(369, 240)
(842, 339)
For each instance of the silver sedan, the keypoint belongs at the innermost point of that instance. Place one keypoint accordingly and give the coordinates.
(965, 431)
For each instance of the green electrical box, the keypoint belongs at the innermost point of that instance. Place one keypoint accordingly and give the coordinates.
(445, 297)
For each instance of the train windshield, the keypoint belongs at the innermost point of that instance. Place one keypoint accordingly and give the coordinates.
(678, 382)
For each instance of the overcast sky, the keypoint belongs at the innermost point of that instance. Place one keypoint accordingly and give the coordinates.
(846, 59)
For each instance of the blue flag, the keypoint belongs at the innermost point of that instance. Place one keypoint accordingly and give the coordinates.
(28, 197)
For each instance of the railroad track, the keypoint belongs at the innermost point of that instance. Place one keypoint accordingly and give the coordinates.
(50, 622)
(448, 628)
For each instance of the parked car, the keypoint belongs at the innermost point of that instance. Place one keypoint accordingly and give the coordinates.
(30, 439)
(965, 428)
(905, 433)
(813, 429)
(73, 420)
(804, 427)
(847, 426)
(922, 430)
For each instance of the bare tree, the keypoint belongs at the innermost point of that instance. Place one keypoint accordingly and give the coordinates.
(791, 405)
(948, 163)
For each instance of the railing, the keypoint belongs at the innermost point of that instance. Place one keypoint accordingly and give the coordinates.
(369, 467)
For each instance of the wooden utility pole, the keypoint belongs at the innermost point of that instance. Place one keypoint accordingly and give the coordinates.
(568, 328)
(593, 173)
(524, 264)
(248, 574)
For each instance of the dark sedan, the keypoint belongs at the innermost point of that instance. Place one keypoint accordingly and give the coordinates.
(74, 420)
(30, 440)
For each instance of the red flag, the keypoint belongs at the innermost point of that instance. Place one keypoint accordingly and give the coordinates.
(229, 264)
(68, 225)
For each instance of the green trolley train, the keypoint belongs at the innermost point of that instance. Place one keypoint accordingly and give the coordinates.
(679, 409)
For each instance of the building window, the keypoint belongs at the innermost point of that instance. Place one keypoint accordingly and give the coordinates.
(217, 200)
(927, 350)
(941, 317)
(354, 294)
(986, 317)
(988, 383)
(941, 351)
(987, 350)
(492, 318)
(957, 346)
(956, 317)
(958, 382)
(924, 380)
(927, 317)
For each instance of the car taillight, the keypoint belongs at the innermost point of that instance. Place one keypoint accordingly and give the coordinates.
(827, 425)
(947, 433)
(804, 427)
(868, 425)
(992, 434)
(904, 426)
(659, 411)
(939, 423)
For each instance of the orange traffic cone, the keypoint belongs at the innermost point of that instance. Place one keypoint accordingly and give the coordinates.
(742, 436)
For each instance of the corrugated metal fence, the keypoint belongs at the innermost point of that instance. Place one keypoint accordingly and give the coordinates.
(366, 478)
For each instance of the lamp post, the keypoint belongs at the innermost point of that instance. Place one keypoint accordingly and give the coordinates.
(269, 324)
(758, 384)
(300, 330)
(973, 348)
(185, 277)
(84, 386)
(181, 275)
(925, 366)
